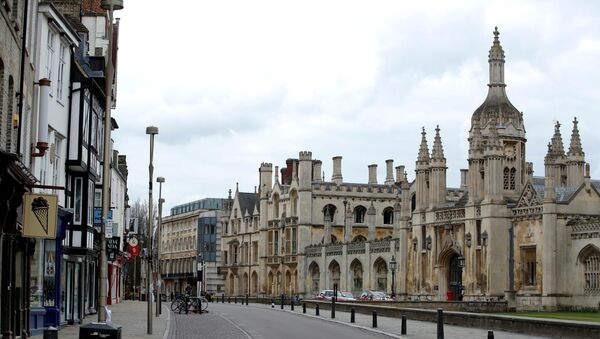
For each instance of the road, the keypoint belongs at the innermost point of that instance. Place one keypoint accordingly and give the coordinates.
(249, 322)
(259, 321)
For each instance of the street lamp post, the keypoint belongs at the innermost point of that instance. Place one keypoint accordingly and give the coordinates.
(160, 181)
(110, 6)
(393, 266)
(152, 131)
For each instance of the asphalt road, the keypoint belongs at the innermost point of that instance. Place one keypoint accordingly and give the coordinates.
(228, 321)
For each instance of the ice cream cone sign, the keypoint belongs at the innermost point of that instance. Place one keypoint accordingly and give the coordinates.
(40, 215)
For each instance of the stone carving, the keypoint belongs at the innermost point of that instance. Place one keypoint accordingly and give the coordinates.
(450, 214)
(528, 197)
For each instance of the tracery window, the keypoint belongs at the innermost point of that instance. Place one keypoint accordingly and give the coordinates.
(506, 178)
(592, 274)
(359, 214)
(513, 173)
(388, 216)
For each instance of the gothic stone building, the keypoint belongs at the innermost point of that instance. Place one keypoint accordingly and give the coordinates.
(503, 235)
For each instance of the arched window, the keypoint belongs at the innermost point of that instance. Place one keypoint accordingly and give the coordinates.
(359, 238)
(275, 206)
(388, 216)
(356, 271)
(294, 203)
(591, 268)
(329, 213)
(359, 214)
(315, 275)
(513, 173)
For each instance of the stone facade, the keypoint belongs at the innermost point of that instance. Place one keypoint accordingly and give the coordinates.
(504, 235)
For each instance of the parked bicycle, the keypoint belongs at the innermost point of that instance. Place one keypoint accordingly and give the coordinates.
(188, 303)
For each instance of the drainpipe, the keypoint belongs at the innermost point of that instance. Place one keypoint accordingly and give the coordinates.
(22, 74)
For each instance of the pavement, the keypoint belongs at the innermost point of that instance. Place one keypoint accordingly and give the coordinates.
(131, 316)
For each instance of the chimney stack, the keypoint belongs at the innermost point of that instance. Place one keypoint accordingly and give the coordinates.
(373, 174)
(317, 170)
(399, 173)
(337, 170)
(389, 176)
(463, 178)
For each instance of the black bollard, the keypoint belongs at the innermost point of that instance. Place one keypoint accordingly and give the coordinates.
(317, 309)
(352, 320)
(292, 304)
(374, 319)
(490, 334)
(282, 301)
(235, 300)
(440, 323)
(229, 300)
(403, 329)
(303, 307)
(332, 308)
(246, 300)
(223, 298)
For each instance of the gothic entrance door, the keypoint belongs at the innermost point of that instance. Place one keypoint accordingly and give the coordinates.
(454, 279)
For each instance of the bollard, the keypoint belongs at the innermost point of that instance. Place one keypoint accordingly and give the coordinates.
(246, 300)
(440, 323)
(374, 319)
(282, 301)
(352, 320)
(490, 334)
(292, 304)
(317, 309)
(223, 298)
(235, 300)
(403, 329)
(332, 308)
(229, 300)
(303, 307)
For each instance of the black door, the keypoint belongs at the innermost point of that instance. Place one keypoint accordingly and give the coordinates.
(455, 278)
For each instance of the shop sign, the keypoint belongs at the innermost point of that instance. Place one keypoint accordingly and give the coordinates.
(98, 215)
(40, 213)
(112, 247)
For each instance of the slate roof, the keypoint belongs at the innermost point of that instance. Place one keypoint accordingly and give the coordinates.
(563, 194)
(247, 202)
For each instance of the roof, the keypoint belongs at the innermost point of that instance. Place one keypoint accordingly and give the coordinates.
(563, 194)
(248, 201)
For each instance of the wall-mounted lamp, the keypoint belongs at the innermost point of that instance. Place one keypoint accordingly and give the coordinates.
(484, 237)
(468, 239)
(42, 140)
(428, 243)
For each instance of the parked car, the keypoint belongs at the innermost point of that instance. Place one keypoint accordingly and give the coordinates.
(327, 295)
(374, 296)
(346, 296)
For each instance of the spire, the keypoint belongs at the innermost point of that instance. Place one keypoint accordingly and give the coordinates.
(496, 61)
(276, 175)
(423, 149)
(575, 146)
(437, 152)
(558, 149)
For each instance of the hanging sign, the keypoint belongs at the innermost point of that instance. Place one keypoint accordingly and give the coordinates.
(112, 247)
(40, 212)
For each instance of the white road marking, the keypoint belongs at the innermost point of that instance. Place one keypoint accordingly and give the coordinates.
(223, 315)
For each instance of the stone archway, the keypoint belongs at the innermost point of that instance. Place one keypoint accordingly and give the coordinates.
(314, 275)
(288, 283)
(231, 284)
(270, 284)
(380, 274)
(451, 277)
(334, 274)
(254, 283)
(356, 274)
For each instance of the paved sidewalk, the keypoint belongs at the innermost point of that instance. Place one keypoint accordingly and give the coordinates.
(392, 326)
(131, 316)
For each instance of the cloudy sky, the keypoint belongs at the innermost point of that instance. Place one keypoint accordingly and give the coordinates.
(231, 84)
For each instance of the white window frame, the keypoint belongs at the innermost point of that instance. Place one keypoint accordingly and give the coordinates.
(78, 201)
(61, 71)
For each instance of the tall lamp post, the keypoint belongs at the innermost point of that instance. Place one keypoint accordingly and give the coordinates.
(160, 181)
(152, 131)
(393, 266)
(110, 6)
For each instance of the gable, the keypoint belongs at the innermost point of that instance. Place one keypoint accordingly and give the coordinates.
(529, 197)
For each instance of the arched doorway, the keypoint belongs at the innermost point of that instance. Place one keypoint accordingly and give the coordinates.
(270, 284)
(356, 272)
(454, 278)
(231, 284)
(381, 273)
(315, 276)
(288, 283)
(334, 274)
(254, 284)
(244, 287)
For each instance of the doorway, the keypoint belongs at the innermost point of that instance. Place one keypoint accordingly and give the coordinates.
(454, 279)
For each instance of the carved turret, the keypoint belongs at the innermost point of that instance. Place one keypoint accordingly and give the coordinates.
(437, 173)
(494, 163)
(371, 214)
(422, 169)
(575, 159)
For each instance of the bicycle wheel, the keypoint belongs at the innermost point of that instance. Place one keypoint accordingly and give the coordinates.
(181, 306)
(204, 304)
(175, 305)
